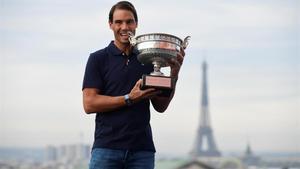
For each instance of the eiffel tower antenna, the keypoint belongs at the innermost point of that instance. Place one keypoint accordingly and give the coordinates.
(205, 132)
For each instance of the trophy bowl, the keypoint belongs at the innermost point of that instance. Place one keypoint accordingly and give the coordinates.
(157, 48)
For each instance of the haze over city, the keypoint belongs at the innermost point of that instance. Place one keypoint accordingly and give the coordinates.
(252, 49)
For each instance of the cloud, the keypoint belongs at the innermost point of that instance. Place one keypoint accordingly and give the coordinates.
(250, 48)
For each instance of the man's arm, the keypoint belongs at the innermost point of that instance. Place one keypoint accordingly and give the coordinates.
(160, 104)
(94, 101)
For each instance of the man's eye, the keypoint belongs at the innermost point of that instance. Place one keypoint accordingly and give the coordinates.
(130, 21)
(118, 22)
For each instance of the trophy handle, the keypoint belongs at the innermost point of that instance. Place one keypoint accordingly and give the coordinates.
(186, 42)
(131, 38)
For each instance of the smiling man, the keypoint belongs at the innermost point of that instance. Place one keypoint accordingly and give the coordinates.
(111, 89)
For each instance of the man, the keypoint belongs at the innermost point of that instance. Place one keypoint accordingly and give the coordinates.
(111, 89)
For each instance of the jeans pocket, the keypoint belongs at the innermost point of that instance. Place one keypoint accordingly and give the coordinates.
(105, 159)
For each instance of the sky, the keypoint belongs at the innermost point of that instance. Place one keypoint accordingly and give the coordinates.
(252, 49)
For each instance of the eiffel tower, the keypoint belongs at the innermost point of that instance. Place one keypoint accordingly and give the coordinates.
(205, 132)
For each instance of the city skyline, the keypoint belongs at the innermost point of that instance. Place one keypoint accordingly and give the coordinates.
(251, 47)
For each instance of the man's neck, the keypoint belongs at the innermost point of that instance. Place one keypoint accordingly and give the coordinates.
(125, 48)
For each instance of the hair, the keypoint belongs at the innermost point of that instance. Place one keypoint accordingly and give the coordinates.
(122, 5)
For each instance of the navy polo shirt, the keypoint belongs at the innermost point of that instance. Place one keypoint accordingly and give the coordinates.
(115, 74)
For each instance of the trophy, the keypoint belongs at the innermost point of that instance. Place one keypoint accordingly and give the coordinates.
(158, 49)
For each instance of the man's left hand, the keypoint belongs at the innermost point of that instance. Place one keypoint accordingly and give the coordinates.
(175, 64)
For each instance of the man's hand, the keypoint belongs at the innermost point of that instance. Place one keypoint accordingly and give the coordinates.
(175, 64)
(136, 94)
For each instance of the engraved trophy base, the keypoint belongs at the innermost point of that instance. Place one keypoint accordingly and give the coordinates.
(163, 83)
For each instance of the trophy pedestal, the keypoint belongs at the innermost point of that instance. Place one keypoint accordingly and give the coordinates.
(163, 83)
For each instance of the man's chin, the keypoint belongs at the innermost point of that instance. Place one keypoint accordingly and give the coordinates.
(125, 41)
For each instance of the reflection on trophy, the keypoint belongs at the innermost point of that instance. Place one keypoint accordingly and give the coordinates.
(158, 49)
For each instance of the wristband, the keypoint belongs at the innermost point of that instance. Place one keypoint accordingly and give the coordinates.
(128, 101)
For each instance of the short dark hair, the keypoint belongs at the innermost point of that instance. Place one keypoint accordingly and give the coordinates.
(122, 5)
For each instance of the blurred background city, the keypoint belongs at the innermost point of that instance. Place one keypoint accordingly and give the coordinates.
(237, 102)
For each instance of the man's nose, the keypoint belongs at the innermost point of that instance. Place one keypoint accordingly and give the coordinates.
(124, 25)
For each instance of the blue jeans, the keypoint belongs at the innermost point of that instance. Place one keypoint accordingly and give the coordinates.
(121, 159)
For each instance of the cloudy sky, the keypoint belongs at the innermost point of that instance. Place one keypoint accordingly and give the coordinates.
(251, 47)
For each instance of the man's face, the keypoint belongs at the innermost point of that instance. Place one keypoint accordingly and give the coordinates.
(123, 21)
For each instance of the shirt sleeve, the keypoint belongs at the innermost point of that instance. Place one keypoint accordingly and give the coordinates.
(92, 76)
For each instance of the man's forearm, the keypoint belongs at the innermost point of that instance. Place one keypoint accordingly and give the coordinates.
(160, 103)
(101, 103)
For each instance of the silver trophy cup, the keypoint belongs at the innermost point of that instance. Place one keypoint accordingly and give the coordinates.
(158, 49)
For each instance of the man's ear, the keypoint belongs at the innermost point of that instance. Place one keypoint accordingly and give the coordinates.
(109, 23)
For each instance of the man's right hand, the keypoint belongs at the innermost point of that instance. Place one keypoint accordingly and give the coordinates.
(136, 94)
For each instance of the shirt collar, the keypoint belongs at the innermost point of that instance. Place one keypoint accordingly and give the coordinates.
(116, 51)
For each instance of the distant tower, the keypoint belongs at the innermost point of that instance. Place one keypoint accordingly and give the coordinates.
(249, 158)
(51, 153)
(205, 132)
